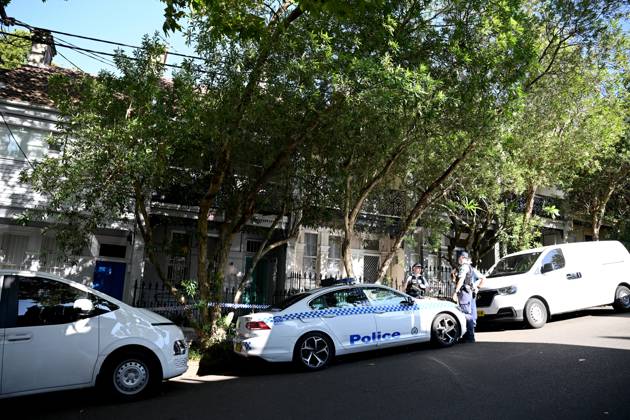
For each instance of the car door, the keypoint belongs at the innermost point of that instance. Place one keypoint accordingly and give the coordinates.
(562, 289)
(51, 338)
(397, 321)
(3, 303)
(348, 315)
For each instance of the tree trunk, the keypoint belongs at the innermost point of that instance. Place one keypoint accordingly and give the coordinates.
(351, 214)
(346, 250)
(202, 262)
(348, 231)
(598, 215)
(422, 204)
(219, 262)
(143, 221)
(527, 215)
(264, 249)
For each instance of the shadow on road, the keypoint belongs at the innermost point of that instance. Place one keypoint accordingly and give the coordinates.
(504, 325)
(485, 380)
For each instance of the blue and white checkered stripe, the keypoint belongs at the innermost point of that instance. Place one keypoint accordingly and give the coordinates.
(357, 310)
(179, 308)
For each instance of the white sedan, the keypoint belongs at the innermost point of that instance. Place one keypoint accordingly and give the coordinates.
(311, 328)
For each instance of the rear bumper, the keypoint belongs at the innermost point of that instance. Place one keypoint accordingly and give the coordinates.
(259, 347)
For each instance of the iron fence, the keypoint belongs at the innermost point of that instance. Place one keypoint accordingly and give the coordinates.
(156, 296)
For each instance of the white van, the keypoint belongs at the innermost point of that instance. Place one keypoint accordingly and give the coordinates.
(56, 334)
(535, 284)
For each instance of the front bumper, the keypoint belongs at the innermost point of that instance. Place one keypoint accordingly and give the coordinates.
(177, 365)
(492, 306)
(507, 314)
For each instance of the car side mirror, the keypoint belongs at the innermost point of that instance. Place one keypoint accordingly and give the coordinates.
(407, 302)
(83, 306)
(546, 268)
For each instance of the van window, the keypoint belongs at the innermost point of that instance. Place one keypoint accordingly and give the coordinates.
(555, 258)
(43, 301)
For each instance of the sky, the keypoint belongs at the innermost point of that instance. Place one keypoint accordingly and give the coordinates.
(124, 21)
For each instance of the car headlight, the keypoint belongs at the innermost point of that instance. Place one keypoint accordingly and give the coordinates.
(510, 290)
(179, 347)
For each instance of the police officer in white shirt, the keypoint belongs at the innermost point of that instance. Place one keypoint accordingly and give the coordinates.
(416, 284)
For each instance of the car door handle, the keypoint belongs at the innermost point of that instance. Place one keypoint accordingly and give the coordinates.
(573, 276)
(379, 312)
(329, 316)
(19, 337)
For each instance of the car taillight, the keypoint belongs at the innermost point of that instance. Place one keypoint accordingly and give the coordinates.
(257, 325)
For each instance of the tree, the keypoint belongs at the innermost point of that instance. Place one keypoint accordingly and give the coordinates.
(572, 37)
(116, 148)
(14, 49)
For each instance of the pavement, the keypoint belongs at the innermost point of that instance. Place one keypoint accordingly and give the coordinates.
(575, 367)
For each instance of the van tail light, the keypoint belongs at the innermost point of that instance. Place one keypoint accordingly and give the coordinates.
(257, 325)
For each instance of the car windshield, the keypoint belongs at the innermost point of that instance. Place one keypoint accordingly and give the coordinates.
(515, 264)
(288, 301)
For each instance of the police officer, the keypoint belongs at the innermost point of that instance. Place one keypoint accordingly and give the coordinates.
(416, 284)
(468, 282)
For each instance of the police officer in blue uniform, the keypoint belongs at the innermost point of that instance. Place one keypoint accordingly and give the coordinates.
(468, 282)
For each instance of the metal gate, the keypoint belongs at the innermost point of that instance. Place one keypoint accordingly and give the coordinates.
(370, 268)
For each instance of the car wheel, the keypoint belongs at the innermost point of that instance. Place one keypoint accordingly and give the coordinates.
(445, 330)
(535, 313)
(130, 375)
(314, 351)
(622, 299)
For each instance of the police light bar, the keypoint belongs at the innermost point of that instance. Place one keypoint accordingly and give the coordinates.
(331, 281)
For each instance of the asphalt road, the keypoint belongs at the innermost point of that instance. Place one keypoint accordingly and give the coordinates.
(576, 367)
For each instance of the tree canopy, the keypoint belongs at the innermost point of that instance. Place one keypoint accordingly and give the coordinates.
(297, 106)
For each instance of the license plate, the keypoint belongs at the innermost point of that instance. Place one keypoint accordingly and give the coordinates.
(238, 347)
(481, 313)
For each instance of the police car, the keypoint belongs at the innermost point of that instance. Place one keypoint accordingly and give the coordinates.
(311, 328)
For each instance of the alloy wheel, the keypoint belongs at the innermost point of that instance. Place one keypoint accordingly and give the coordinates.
(446, 331)
(314, 352)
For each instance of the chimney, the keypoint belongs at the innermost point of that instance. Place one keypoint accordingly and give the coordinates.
(43, 48)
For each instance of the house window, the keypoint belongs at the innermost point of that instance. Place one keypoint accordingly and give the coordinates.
(113, 251)
(310, 252)
(32, 142)
(334, 255)
(253, 246)
(370, 244)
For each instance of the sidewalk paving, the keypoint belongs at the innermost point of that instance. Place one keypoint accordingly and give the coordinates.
(190, 376)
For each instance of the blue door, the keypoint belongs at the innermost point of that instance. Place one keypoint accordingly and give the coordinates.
(109, 278)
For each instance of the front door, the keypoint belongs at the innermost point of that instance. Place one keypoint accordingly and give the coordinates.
(109, 278)
(257, 290)
(396, 320)
(48, 343)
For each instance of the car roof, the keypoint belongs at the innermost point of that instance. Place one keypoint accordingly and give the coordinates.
(566, 245)
(29, 273)
(347, 286)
